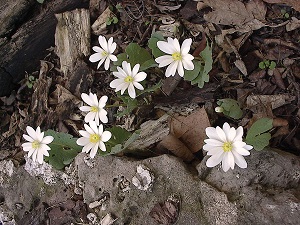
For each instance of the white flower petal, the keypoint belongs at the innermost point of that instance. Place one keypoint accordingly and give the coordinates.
(84, 134)
(135, 70)
(94, 126)
(212, 133)
(215, 159)
(102, 146)
(28, 138)
(239, 160)
(94, 150)
(106, 135)
(171, 69)
(165, 47)
(87, 147)
(131, 90)
(116, 83)
(82, 141)
(95, 57)
(214, 142)
(231, 134)
(103, 43)
(88, 129)
(176, 44)
(106, 64)
(85, 108)
(100, 129)
(241, 151)
(140, 76)
(47, 140)
(32, 133)
(113, 58)
(180, 69)
(188, 64)
(138, 86)
(221, 134)
(248, 147)
(87, 99)
(164, 60)
(101, 62)
(239, 134)
(97, 49)
(215, 150)
(186, 45)
(89, 117)
(228, 161)
(103, 116)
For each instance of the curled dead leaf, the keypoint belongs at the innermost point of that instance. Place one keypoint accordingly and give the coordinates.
(191, 129)
(174, 145)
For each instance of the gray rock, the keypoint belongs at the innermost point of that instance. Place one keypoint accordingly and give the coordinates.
(200, 202)
(267, 192)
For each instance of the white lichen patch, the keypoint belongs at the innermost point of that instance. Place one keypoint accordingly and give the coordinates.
(143, 178)
(6, 171)
(6, 216)
(108, 219)
(45, 171)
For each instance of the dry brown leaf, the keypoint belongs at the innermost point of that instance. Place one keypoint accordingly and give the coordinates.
(174, 145)
(280, 122)
(293, 24)
(234, 12)
(294, 3)
(274, 100)
(191, 129)
(100, 24)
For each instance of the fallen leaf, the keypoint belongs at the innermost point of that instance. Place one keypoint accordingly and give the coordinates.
(191, 129)
(294, 3)
(293, 24)
(275, 101)
(234, 12)
(174, 145)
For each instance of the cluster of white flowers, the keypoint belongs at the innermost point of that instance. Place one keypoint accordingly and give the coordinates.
(223, 145)
(93, 137)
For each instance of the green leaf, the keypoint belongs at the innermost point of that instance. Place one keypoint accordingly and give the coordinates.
(151, 89)
(108, 21)
(137, 54)
(119, 141)
(231, 108)
(148, 64)
(63, 149)
(206, 55)
(260, 126)
(272, 65)
(130, 103)
(190, 75)
(115, 20)
(259, 142)
(152, 44)
(262, 65)
(199, 75)
(257, 136)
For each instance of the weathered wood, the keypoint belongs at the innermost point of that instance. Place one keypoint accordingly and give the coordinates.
(72, 40)
(22, 50)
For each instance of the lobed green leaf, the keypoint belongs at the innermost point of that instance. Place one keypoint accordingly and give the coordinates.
(63, 149)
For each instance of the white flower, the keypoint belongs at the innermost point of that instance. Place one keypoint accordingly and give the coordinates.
(219, 109)
(128, 79)
(95, 108)
(93, 138)
(178, 58)
(104, 53)
(226, 146)
(37, 144)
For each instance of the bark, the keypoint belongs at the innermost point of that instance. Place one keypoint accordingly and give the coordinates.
(72, 40)
(22, 49)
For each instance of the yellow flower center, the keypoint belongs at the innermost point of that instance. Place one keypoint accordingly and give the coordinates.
(128, 79)
(227, 146)
(94, 109)
(104, 53)
(176, 56)
(94, 138)
(35, 144)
